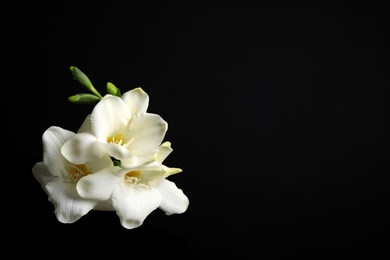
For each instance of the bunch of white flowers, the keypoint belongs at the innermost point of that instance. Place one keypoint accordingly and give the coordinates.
(113, 162)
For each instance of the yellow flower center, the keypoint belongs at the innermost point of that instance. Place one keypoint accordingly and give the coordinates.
(118, 138)
(79, 171)
(133, 177)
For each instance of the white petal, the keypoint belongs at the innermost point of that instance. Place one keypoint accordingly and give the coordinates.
(141, 162)
(69, 206)
(98, 185)
(83, 147)
(109, 115)
(171, 171)
(134, 162)
(163, 151)
(99, 164)
(42, 174)
(117, 151)
(148, 131)
(104, 206)
(153, 177)
(137, 100)
(86, 125)
(173, 200)
(134, 203)
(53, 138)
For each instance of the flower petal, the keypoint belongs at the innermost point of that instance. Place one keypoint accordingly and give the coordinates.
(134, 162)
(117, 151)
(133, 203)
(53, 138)
(69, 206)
(86, 125)
(98, 185)
(163, 151)
(101, 163)
(42, 174)
(173, 200)
(137, 100)
(109, 115)
(83, 147)
(153, 177)
(147, 131)
(104, 206)
(171, 171)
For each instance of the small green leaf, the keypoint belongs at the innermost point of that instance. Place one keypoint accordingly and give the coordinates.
(84, 80)
(113, 90)
(84, 98)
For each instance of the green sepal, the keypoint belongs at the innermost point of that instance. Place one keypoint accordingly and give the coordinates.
(84, 80)
(84, 98)
(113, 90)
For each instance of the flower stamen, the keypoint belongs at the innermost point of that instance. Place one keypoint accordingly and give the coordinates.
(132, 177)
(118, 139)
(78, 171)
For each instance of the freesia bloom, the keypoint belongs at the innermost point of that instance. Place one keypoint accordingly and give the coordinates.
(121, 127)
(136, 192)
(58, 177)
(114, 162)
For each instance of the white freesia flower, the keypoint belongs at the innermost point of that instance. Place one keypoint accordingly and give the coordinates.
(114, 162)
(58, 177)
(136, 192)
(121, 127)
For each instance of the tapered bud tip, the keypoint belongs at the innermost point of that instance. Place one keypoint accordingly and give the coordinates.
(83, 80)
(80, 76)
(113, 90)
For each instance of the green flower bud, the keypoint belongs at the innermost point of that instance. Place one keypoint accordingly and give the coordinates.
(84, 98)
(113, 90)
(84, 80)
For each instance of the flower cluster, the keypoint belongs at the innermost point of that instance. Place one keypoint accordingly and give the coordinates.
(113, 162)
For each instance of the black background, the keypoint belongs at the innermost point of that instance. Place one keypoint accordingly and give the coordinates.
(277, 113)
